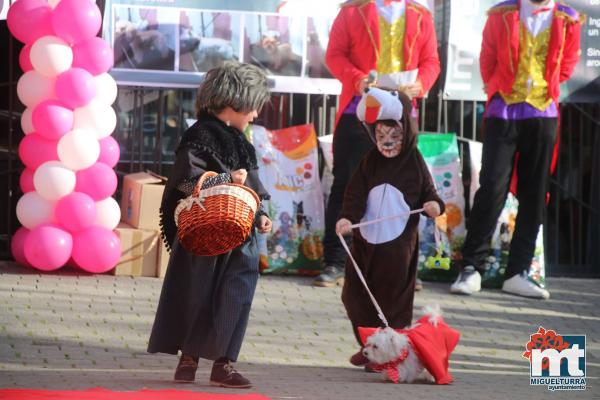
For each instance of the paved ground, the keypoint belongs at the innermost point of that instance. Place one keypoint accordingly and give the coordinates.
(70, 331)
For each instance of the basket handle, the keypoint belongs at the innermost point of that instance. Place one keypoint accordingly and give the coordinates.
(204, 176)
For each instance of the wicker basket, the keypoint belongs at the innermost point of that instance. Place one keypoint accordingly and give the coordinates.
(215, 220)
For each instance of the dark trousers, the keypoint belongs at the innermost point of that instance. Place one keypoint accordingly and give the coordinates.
(534, 140)
(350, 144)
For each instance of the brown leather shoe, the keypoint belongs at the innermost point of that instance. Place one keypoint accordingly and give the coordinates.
(358, 359)
(224, 375)
(186, 369)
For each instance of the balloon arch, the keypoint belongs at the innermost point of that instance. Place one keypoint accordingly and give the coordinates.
(67, 212)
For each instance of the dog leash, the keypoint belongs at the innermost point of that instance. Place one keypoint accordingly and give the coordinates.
(358, 271)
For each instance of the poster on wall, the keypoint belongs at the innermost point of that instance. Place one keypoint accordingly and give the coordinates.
(463, 77)
(584, 85)
(275, 43)
(144, 39)
(208, 39)
(172, 44)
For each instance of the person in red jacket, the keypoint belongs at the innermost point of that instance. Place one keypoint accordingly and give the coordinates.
(529, 47)
(387, 36)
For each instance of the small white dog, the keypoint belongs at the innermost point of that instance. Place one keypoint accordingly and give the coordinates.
(393, 354)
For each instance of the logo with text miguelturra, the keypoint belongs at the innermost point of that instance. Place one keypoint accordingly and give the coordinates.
(556, 361)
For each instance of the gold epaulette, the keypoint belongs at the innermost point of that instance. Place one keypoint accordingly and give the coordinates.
(570, 19)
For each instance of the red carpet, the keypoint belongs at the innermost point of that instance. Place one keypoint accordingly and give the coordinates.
(103, 394)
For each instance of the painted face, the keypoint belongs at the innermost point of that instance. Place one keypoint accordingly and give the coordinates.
(389, 139)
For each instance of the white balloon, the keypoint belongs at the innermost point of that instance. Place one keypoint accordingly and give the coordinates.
(33, 210)
(53, 3)
(106, 88)
(50, 56)
(97, 117)
(26, 123)
(108, 213)
(33, 88)
(53, 180)
(78, 149)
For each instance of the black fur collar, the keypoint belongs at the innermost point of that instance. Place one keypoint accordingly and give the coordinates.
(229, 145)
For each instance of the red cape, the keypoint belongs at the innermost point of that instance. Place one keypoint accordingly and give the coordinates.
(432, 344)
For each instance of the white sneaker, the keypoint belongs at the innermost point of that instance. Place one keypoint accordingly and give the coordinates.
(468, 281)
(522, 286)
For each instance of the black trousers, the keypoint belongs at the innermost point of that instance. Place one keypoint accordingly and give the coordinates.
(534, 140)
(350, 144)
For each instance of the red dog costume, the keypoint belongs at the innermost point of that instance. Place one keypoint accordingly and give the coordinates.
(432, 344)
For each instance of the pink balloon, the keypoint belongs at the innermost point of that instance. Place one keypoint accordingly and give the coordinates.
(34, 150)
(109, 151)
(52, 119)
(48, 247)
(93, 55)
(75, 212)
(29, 20)
(17, 246)
(98, 181)
(96, 249)
(76, 20)
(24, 61)
(75, 87)
(26, 180)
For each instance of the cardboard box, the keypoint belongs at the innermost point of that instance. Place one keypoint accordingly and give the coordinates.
(139, 251)
(163, 259)
(140, 202)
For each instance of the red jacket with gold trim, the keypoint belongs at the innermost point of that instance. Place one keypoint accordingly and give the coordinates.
(351, 52)
(499, 56)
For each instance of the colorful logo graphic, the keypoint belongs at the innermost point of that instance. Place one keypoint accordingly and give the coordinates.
(557, 361)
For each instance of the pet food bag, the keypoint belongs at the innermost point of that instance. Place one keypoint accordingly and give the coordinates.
(442, 238)
(288, 161)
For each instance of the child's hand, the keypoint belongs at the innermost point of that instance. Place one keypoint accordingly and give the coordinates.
(432, 208)
(342, 227)
(239, 176)
(264, 224)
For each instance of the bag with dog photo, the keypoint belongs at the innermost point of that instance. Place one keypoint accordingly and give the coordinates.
(288, 168)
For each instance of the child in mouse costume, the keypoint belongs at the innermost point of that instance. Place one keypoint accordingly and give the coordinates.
(391, 179)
